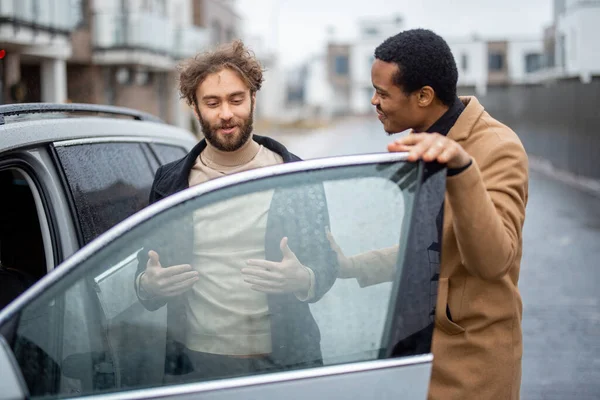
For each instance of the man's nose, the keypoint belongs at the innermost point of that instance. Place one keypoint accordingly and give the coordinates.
(374, 99)
(226, 113)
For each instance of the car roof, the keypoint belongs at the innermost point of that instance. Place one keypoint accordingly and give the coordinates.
(29, 133)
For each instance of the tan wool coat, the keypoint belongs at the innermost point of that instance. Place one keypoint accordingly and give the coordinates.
(477, 353)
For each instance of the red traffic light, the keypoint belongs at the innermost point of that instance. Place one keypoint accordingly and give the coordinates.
(2, 54)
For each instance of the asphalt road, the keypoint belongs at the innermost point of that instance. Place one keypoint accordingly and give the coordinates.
(560, 272)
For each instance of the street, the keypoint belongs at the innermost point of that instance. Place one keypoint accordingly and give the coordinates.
(559, 271)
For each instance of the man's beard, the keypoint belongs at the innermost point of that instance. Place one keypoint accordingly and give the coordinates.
(231, 142)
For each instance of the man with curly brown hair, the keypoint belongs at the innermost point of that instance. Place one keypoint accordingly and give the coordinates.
(253, 247)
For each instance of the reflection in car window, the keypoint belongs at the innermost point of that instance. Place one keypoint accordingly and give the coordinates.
(234, 321)
(167, 153)
(109, 182)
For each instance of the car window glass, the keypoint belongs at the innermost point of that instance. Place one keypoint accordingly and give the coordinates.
(226, 325)
(108, 181)
(22, 253)
(167, 153)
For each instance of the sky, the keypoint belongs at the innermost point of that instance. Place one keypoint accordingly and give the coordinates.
(297, 29)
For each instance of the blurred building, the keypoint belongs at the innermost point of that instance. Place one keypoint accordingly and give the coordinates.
(309, 96)
(271, 97)
(576, 35)
(117, 52)
(318, 96)
(471, 56)
(339, 76)
(36, 38)
(571, 48)
(219, 17)
(484, 62)
(371, 33)
(349, 65)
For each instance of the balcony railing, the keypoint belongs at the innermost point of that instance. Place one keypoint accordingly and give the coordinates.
(141, 31)
(54, 15)
(189, 41)
(148, 32)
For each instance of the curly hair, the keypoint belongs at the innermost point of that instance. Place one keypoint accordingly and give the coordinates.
(423, 59)
(234, 56)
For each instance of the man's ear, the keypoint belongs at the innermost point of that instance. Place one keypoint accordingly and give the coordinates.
(253, 97)
(425, 96)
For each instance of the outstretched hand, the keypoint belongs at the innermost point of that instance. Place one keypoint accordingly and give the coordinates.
(166, 282)
(344, 262)
(287, 276)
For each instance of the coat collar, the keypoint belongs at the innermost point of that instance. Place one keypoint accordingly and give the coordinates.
(175, 175)
(447, 121)
(465, 123)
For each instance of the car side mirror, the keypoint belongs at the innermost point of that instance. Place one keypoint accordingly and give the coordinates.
(12, 384)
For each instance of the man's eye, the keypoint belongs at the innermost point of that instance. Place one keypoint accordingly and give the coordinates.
(237, 101)
(212, 104)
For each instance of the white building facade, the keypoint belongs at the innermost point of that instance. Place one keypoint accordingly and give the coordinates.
(525, 58)
(482, 62)
(372, 32)
(471, 56)
(35, 34)
(271, 97)
(577, 38)
(318, 95)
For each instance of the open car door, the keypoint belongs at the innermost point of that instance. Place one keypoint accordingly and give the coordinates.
(363, 330)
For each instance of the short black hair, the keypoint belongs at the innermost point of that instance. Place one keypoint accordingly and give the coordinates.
(423, 59)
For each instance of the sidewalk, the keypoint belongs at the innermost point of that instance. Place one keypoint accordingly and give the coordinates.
(546, 168)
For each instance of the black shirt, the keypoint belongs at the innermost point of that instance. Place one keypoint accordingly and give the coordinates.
(445, 123)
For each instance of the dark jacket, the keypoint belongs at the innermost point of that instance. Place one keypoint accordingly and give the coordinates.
(298, 213)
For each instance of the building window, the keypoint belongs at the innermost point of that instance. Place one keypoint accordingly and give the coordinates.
(496, 62)
(78, 13)
(341, 65)
(533, 62)
(156, 7)
(230, 34)
(215, 32)
(464, 62)
(371, 31)
(562, 50)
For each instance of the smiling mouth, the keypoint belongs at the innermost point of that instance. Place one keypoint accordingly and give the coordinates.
(228, 130)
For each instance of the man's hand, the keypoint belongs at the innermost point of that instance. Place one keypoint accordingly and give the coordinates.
(166, 282)
(432, 147)
(287, 276)
(344, 262)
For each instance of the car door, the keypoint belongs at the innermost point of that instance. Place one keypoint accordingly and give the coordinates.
(363, 330)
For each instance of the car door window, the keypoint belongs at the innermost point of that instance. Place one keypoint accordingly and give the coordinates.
(108, 182)
(378, 304)
(23, 253)
(167, 153)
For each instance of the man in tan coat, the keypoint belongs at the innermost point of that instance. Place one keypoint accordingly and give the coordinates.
(477, 341)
